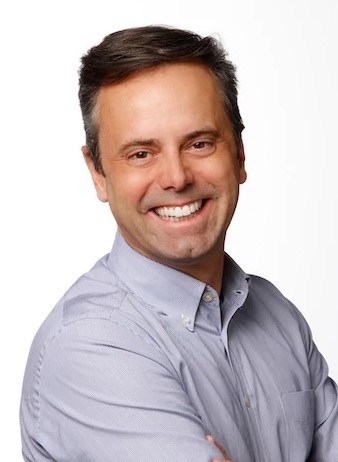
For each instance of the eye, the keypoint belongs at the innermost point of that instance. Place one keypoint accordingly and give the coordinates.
(140, 157)
(202, 147)
(201, 144)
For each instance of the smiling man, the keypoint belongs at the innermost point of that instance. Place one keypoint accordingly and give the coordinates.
(166, 340)
(171, 166)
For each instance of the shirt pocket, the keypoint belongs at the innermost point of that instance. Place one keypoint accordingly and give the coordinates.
(299, 410)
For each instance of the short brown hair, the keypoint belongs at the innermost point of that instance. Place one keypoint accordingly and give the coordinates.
(126, 52)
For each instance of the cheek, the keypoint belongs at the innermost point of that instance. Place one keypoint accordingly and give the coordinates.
(128, 188)
(222, 175)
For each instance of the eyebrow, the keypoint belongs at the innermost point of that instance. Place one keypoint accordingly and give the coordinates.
(138, 142)
(148, 142)
(203, 132)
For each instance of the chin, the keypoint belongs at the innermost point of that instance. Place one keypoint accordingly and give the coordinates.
(186, 256)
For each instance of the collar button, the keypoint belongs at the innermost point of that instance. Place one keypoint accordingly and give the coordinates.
(207, 296)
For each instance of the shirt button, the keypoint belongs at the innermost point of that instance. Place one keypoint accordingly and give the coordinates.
(186, 320)
(247, 401)
(207, 296)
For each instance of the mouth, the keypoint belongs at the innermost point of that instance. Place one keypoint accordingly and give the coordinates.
(175, 213)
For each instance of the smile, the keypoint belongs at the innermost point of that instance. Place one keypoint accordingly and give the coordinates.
(179, 211)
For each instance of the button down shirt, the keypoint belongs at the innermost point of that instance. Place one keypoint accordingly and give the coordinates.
(139, 361)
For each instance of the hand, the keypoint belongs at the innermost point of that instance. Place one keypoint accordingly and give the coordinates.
(220, 447)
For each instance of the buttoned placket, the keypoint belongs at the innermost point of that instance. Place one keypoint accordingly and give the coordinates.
(244, 392)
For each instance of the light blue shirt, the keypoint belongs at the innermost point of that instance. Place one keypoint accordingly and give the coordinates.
(139, 361)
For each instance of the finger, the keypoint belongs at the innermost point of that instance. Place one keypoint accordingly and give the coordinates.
(220, 447)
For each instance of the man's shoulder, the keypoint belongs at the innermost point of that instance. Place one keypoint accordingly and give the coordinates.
(98, 309)
(93, 296)
(93, 324)
(95, 293)
(261, 286)
(272, 309)
(263, 294)
(264, 290)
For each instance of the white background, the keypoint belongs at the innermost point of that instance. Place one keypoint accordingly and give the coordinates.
(53, 228)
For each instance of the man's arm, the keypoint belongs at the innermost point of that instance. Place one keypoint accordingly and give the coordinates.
(106, 394)
(325, 440)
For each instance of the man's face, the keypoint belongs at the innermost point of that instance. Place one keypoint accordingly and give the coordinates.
(172, 168)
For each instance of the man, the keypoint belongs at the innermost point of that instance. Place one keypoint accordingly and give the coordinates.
(166, 340)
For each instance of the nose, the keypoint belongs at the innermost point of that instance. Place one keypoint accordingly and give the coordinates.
(174, 172)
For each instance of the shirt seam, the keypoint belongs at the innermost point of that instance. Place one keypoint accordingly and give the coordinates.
(79, 319)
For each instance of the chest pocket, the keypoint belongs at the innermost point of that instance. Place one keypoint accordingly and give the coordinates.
(299, 408)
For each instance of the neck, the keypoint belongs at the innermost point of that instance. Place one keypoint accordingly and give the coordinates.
(209, 272)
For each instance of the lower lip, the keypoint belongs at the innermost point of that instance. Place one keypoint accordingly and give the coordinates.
(182, 221)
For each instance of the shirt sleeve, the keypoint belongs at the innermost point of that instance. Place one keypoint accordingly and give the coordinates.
(106, 394)
(325, 440)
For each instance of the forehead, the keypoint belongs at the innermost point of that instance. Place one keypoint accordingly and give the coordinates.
(169, 77)
(173, 96)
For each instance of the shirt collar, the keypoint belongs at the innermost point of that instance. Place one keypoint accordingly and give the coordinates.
(167, 290)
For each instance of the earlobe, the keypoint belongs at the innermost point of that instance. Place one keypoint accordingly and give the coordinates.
(241, 160)
(97, 177)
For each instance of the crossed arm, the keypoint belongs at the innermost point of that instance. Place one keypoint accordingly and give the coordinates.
(108, 398)
(103, 402)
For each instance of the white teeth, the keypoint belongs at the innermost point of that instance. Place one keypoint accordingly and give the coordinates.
(192, 208)
(186, 210)
(179, 212)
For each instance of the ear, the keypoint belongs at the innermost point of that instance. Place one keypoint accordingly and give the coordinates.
(98, 178)
(241, 161)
